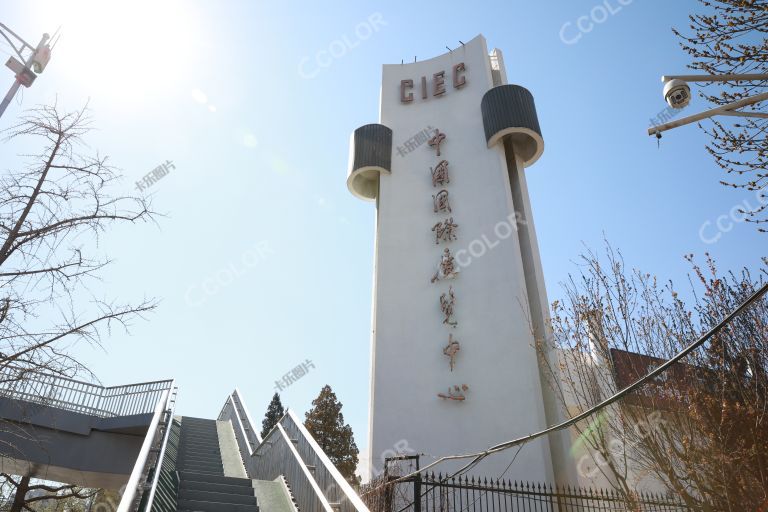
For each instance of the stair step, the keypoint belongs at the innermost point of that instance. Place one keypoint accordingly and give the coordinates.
(203, 462)
(193, 476)
(210, 435)
(206, 474)
(200, 452)
(199, 462)
(203, 466)
(215, 487)
(198, 428)
(200, 437)
(217, 497)
(208, 464)
(200, 449)
(212, 506)
(202, 443)
(195, 432)
(201, 458)
(207, 445)
(203, 470)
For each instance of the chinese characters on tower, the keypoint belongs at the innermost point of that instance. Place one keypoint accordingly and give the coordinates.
(445, 231)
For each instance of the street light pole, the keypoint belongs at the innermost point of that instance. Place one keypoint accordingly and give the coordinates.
(729, 109)
(24, 45)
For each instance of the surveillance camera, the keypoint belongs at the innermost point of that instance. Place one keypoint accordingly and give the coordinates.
(677, 93)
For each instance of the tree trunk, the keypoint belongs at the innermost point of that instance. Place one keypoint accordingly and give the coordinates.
(21, 494)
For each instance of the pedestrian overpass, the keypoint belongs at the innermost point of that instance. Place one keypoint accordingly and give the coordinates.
(128, 438)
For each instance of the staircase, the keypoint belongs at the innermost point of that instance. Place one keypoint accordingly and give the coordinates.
(203, 485)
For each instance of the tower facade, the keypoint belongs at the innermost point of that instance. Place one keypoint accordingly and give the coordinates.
(459, 298)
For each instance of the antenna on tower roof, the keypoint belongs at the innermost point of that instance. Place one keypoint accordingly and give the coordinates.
(446, 47)
(462, 42)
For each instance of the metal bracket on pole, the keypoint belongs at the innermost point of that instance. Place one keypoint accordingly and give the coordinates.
(716, 78)
(26, 76)
(727, 110)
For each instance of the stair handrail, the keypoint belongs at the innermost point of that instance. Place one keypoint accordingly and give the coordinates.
(349, 493)
(241, 403)
(170, 410)
(302, 465)
(262, 464)
(132, 492)
(236, 413)
(230, 412)
(240, 410)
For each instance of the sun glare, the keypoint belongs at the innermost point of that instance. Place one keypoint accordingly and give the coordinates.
(122, 50)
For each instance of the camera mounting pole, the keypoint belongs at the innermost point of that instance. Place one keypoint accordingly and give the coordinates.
(28, 68)
(729, 109)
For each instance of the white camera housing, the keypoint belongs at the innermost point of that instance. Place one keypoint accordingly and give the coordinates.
(677, 93)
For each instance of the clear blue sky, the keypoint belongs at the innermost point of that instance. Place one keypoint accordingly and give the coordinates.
(261, 153)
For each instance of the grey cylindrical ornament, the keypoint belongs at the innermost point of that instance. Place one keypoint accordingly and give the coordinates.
(509, 112)
(370, 154)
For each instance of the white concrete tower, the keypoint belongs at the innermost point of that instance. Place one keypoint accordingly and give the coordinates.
(458, 285)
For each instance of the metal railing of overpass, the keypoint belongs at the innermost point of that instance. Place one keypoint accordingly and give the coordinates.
(81, 397)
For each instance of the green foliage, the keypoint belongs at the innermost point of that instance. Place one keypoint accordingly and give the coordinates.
(275, 411)
(326, 424)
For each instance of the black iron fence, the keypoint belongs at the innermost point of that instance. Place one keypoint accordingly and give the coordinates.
(468, 494)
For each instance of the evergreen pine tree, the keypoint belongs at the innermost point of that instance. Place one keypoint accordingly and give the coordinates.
(326, 424)
(275, 411)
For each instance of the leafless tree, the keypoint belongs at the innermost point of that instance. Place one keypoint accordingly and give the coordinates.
(701, 428)
(731, 36)
(26, 494)
(52, 213)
